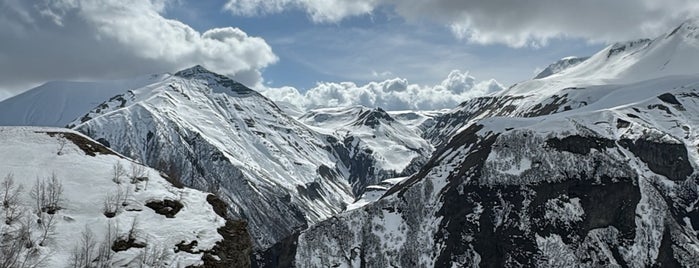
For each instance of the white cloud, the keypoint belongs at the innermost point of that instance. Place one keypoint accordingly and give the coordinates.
(320, 11)
(390, 94)
(85, 39)
(512, 22)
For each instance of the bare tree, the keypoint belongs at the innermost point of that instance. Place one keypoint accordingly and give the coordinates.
(47, 224)
(112, 202)
(104, 254)
(118, 173)
(138, 173)
(83, 253)
(10, 198)
(47, 194)
(133, 230)
(125, 196)
(154, 256)
(17, 248)
(13, 247)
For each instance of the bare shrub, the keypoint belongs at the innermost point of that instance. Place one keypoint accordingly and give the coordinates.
(47, 225)
(138, 173)
(10, 198)
(17, 248)
(118, 173)
(155, 256)
(112, 201)
(84, 252)
(104, 253)
(47, 194)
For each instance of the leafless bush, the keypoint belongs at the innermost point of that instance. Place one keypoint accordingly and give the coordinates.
(10, 198)
(84, 252)
(118, 173)
(104, 254)
(47, 194)
(155, 256)
(133, 230)
(126, 195)
(138, 173)
(17, 248)
(112, 202)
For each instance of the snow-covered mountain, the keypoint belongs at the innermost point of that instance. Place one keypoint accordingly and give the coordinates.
(209, 132)
(592, 166)
(67, 201)
(56, 104)
(213, 133)
(385, 147)
(592, 163)
(649, 63)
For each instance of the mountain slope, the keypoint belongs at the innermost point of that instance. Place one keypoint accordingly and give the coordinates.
(211, 132)
(667, 61)
(567, 170)
(674, 53)
(126, 219)
(385, 146)
(605, 187)
(58, 103)
(560, 66)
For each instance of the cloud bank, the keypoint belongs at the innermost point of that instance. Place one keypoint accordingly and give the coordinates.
(512, 22)
(84, 39)
(391, 94)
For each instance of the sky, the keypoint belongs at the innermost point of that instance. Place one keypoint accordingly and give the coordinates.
(397, 54)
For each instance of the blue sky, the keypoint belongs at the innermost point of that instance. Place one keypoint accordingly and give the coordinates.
(375, 47)
(317, 53)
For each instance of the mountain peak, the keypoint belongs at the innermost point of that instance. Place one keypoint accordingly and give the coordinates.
(218, 82)
(560, 65)
(193, 71)
(688, 28)
(373, 117)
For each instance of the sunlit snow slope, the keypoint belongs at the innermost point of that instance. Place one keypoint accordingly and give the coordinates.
(58, 103)
(134, 235)
(213, 133)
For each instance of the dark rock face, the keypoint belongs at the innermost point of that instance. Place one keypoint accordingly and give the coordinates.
(550, 107)
(124, 244)
(235, 250)
(499, 244)
(280, 255)
(579, 144)
(361, 164)
(669, 98)
(577, 202)
(446, 126)
(456, 209)
(86, 145)
(618, 48)
(669, 160)
(373, 118)
(621, 123)
(468, 136)
(167, 208)
(559, 66)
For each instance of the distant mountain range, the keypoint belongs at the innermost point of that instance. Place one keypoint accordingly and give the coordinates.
(591, 163)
